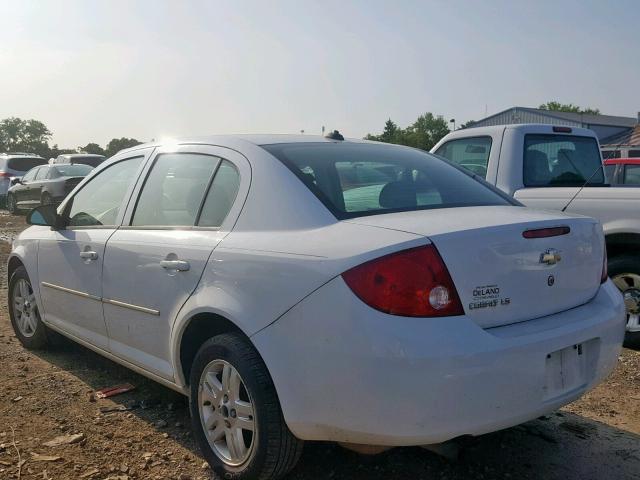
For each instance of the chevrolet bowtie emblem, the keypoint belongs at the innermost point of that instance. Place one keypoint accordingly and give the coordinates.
(551, 256)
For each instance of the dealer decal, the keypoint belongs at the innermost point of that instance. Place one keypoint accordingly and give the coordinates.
(487, 296)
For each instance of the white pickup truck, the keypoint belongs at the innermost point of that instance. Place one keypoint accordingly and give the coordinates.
(544, 166)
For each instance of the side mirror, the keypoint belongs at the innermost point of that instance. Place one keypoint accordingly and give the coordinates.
(16, 180)
(45, 215)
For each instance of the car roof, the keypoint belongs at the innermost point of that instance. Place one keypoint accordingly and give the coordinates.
(627, 161)
(239, 139)
(77, 155)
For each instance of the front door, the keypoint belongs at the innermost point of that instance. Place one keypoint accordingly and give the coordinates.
(154, 264)
(70, 260)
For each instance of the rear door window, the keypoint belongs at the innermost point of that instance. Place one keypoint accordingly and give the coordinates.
(471, 153)
(222, 194)
(561, 160)
(610, 173)
(353, 180)
(42, 173)
(174, 190)
(632, 175)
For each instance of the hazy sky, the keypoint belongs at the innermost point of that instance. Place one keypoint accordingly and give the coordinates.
(94, 70)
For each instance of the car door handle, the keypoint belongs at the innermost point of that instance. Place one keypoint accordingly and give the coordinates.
(89, 255)
(179, 265)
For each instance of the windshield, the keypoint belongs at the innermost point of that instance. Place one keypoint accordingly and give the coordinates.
(353, 180)
(72, 170)
(93, 161)
(561, 161)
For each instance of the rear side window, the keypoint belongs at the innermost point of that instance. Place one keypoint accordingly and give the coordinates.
(632, 175)
(561, 160)
(471, 153)
(610, 172)
(174, 189)
(634, 153)
(222, 194)
(42, 173)
(353, 180)
(23, 164)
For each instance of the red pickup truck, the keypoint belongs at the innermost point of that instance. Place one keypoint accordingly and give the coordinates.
(622, 171)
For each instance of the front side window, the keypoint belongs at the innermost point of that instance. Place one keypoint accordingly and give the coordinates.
(30, 175)
(561, 161)
(100, 200)
(174, 189)
(471, 153)
(632, 175)
(353, 180)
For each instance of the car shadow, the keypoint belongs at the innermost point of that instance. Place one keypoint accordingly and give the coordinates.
(559, 446)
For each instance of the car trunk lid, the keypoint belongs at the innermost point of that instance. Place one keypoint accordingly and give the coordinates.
(501, 276)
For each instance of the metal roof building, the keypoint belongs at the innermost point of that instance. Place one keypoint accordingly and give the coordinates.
(605, 126)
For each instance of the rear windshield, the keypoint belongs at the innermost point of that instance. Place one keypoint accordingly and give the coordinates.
(353, 180)
(93, 161)
(561, 160)
(72, 170)
(22, 164)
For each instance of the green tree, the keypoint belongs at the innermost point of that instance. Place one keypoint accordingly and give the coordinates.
(18, 135)
(117, 144)
(568, 107)
(424, 133)
(93, 148)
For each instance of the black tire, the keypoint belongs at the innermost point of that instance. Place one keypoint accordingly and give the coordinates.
(11, 205)
(626, 264)
(37, 339)
(46, 199)
(275, 450)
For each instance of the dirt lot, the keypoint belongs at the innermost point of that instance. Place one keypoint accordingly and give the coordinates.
(47, 394)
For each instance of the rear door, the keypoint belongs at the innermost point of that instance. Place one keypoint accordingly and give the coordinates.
(70, 260)
(35, 192)
(155, 261)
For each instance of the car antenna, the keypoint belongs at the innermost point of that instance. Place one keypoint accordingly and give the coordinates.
(601, 166)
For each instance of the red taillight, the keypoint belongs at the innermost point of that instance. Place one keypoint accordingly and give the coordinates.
(4, 174)
(546, 232)
(605, 270)
(562, 129)
(410, 283)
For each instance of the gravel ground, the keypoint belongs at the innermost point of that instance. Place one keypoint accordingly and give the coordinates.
(48, 394)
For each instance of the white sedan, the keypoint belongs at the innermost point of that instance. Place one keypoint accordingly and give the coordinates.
(307, 288)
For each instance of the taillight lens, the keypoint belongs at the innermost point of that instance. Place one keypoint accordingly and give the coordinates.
(4, 174)
(605, 271)
(410, 283)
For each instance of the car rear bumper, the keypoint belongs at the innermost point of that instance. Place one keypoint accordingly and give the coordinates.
(347, 373)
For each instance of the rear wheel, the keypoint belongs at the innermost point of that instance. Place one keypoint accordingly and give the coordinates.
(11, 204)
(236, 414)
(624, 270)
(24, 313)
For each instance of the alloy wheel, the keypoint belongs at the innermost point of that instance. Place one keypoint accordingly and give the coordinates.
(227, 413)
(629, 285)
(25, 308)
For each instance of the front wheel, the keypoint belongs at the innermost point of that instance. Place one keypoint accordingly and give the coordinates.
(24, 313)
(624, 271)
(236, 414)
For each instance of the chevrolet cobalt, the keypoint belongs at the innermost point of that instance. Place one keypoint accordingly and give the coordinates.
(309, 288)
